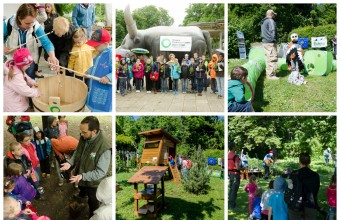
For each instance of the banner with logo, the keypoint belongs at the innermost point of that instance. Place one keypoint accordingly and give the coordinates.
(318, 42)
(175, 43)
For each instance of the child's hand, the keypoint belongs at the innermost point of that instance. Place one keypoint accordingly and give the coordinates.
(19, 200)
(28, 203)
(7, 50)
(104, 80)
(61, 157)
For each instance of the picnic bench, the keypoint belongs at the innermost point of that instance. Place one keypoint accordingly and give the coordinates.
(150, 176)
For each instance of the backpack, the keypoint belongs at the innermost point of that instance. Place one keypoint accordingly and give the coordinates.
(293, 192)
(239, 162)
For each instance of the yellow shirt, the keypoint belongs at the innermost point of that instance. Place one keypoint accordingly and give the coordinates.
(82, 60)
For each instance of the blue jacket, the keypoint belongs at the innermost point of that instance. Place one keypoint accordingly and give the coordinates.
(82, 16)
(99, 98)
(174, 72)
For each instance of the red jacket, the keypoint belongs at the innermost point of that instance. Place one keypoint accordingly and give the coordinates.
(331, 195)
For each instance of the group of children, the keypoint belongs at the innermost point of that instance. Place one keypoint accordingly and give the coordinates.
(26, 162)
(163, 75)
(88, 57)
(270, 204)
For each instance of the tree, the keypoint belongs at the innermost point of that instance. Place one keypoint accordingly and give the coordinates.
(203, 13)
(146, 17)
(197, 179)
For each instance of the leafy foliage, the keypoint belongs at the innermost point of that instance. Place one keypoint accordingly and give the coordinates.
(203, 13)
(290, 134)
(197, 179)
(214, 153)
(310, 31)
(207, 131)
(247, 18)
(146, 17)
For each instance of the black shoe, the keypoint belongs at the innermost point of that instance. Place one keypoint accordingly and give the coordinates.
(40, 76)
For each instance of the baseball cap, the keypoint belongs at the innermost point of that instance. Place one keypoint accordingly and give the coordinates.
(271, 12)
(99, 37)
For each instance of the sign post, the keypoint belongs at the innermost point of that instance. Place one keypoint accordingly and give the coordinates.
(241, 45)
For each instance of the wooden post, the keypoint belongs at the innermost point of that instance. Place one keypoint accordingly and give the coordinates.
(136, 200)
(162, 191)
(155, 198)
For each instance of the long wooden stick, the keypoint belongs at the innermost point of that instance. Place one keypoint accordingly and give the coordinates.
(83, 74)
(79, 51)
(30, 41)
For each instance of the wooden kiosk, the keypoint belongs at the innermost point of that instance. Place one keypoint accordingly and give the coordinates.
(158, 145)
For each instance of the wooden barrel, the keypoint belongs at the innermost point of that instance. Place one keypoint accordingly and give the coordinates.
(60, 93)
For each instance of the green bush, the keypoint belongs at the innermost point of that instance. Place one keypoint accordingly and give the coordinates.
(309, 31)
(213, 153)
(214, 167)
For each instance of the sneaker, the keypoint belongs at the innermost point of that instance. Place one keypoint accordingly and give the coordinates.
(52, 165)
(148, 92)
(41, 190)
(199, 94)
(137, 91)
(43, 175)
(48, 175)
(61, 182)
(76, 185)
(273, 78)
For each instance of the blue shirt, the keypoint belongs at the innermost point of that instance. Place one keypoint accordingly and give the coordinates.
(279, 207)
(82, 16)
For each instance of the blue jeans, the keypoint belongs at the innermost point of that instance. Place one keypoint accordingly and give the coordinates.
(164, 84)
(240, 107)
(184, 85)
(175, 85)
(234, 184)
(331, 214)
(199, 85)
(31, 71)
(220, 85)
(193, 83)
(122, 85)
(138, 83)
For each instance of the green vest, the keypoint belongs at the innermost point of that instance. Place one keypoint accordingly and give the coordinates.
(87, 159)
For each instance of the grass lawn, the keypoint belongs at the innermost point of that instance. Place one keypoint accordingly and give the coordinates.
(180, 204)
(281, 165)
(319, 95)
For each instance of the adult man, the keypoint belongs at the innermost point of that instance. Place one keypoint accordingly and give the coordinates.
(233, 174)
(310, 181)
(91, 160)
(267, 161)
(245, 169)
(84, 15)
(269, 40)
(327, 153)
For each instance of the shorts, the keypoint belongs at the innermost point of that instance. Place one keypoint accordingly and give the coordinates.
(240, 107)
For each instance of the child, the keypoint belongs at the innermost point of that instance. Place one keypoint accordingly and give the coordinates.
(23, 189)
(212, 72)
(99, 98)
(43, 147)
(9, 185)
(12, 211)
(236, 100)
(52, 129)
(164, 74)
(199, 75)
(147, 71)
(130, 75)
(277, 206)
(18, 86)
(175, 74)
(257, 207)
(123, 72)
(184, 75)
(331, 196)
(265, 198)
(31, 153)
(138, 74)
(192, 75)
(294, 60)
(63, 126)
(154, 78)
(81, 56)
(250, 188)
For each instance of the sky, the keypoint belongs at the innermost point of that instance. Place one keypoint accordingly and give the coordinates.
(176, 11)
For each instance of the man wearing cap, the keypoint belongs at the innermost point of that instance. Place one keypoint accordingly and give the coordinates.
(233, 174)
(267, 161)
(99, 98)
(269, 40)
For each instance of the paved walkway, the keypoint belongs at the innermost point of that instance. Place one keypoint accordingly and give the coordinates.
(143, 102)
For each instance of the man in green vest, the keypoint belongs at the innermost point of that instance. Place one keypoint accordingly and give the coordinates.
(91, 160)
